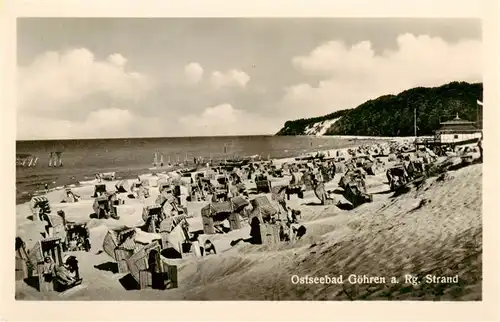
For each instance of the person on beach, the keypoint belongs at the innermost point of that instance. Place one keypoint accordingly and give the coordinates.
(289, 216)
(195, 242)
(61, 214)
(209, 248)
(68, 274)
(47, 224)
(48, 270)
(226, 226)
(155, 268)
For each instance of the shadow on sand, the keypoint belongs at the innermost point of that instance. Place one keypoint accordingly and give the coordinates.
(384, 192)
(170, 252)
(108, 267)
(337, 191)
(245, 240)
(401, 191)
(129, 283)
(33, 282)
(345, 206)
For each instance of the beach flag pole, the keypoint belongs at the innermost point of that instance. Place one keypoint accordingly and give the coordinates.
(479, 104)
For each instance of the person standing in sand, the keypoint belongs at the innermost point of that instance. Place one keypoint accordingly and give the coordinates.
(62, 214)
(209, 248)
(289, 216)
(155, 268)
(195, 242)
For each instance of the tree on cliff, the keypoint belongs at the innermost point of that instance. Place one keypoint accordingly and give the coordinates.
(393, 115)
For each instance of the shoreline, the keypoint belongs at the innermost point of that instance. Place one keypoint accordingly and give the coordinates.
(144, 171)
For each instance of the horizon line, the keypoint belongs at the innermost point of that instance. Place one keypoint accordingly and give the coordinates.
(149, 137)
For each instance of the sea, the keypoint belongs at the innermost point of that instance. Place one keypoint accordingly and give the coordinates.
(82, 159)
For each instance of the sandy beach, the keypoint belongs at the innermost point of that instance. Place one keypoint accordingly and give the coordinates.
(432, 230)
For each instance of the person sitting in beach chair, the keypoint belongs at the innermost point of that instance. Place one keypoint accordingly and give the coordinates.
(77, 237)
(99, 190)
(224, 226)
(68, 275)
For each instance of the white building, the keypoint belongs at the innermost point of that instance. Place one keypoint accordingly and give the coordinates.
(458, 131)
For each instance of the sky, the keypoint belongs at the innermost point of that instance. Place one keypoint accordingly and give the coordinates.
(170, 77)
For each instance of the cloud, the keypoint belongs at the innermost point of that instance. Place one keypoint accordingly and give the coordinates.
(352, 75)
(193, 73)
(117, 59)
(76, 94)
(111, 122)
(55, 80)
(334, 56)
(224, 119)
(230, 78)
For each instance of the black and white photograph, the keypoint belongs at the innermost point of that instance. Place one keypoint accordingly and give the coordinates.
(249, 159)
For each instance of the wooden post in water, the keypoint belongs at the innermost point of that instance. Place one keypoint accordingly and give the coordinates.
(59, 160)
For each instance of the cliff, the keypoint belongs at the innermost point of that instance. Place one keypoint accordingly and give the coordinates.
(393, 115)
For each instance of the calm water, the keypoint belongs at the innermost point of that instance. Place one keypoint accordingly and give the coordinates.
(129, 157)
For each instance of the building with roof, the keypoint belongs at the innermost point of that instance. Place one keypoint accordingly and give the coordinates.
(458, 131)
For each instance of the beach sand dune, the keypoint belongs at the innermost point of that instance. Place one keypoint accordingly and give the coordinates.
(434, 229)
